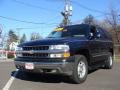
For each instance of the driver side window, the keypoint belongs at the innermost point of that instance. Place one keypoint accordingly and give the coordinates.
(94, 33)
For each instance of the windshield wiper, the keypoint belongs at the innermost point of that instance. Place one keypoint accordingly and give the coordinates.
(50, 37)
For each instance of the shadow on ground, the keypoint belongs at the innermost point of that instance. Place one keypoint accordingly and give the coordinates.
(45, 78)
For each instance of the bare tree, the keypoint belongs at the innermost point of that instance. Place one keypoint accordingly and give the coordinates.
(104, 25)
(35, 36)
(113, 20)
(89, 20)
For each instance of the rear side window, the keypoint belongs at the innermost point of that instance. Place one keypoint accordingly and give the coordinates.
(107, 34)
(104, 34)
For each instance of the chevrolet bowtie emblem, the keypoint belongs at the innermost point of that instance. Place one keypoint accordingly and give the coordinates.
(31, 52)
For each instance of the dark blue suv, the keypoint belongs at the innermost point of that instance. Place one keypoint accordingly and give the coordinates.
(69, 50)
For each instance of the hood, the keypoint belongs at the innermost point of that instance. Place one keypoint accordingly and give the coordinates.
(52, 41)
(49, 41)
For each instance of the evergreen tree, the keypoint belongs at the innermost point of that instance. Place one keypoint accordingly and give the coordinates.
(12, 37)
(23, 39)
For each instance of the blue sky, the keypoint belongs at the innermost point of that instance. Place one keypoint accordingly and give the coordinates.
(47, 12)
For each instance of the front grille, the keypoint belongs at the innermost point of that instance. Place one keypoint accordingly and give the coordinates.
(35, 48)
(36, 55)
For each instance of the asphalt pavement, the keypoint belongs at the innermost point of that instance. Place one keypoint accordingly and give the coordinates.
(100, 79)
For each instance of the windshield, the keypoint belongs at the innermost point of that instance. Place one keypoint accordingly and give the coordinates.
(59, 34)
(68, 32)
(55, 34)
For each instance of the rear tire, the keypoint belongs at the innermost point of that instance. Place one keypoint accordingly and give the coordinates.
(80, 69)
(109, 62)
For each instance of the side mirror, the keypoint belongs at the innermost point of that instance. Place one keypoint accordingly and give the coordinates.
(94, 36)
(98, 35)
(91, 36)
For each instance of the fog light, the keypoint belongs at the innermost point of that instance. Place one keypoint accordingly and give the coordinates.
(62, 55)
(56, 55)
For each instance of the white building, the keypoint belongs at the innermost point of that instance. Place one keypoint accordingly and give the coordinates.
(13, 46)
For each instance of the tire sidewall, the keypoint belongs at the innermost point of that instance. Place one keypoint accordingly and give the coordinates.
(108, 65)
(76, 78)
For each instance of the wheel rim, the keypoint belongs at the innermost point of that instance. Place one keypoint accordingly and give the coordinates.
(81, 69)
(111, 61)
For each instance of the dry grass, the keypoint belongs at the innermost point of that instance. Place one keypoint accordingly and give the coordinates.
(117, 57)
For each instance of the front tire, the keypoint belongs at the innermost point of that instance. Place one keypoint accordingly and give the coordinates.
(109, 62)
(80, 69)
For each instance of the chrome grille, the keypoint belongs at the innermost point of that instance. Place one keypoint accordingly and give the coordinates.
(35, 48)
(36, 55)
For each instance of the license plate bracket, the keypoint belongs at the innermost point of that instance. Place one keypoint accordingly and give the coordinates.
(29, 66)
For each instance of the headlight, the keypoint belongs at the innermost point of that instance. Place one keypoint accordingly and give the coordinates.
(19, 49)
(59, 47)
(19, 54)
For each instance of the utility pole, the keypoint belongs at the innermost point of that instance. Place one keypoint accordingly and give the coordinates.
(67, 13)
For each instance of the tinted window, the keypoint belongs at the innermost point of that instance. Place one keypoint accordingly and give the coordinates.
(55, 34)
(102, 35)
(107, 34)
(70, 31)
(78, 30)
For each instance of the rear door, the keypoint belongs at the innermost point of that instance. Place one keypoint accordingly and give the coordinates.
(104, 44)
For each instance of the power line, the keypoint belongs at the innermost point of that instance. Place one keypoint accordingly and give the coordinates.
(20, 28)
(23, 21)
(81, 20)
(13, 19)
(39, 7)
(28, 28)
(34, 6)
(89, 9)
(54, 18)
(99, 16)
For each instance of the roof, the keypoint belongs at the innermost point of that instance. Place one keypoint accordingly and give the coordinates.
(77, 26)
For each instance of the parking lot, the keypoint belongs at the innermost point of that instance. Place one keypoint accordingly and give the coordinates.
(100, 79)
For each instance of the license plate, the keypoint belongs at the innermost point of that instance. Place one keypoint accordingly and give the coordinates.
(29, 66)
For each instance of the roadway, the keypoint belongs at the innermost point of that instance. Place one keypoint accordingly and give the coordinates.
(100, 79)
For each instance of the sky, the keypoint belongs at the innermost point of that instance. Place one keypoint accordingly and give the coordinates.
(42, 16)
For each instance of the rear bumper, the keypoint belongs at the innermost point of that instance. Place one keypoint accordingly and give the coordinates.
(65, 68)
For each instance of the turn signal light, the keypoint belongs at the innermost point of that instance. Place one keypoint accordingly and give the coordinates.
(66, 54)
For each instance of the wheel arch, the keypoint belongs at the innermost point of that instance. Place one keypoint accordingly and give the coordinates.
(86, 53)
(111, 51)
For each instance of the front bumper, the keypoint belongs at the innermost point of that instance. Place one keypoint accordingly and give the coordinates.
(60, 67)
